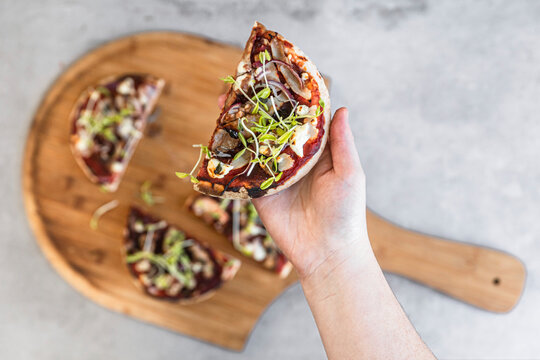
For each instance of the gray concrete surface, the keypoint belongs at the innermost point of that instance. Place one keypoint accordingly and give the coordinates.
(445, 101)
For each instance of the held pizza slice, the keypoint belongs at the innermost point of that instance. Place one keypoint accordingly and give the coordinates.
(240, 223)
(169, 264)
(108, 121)
(273, 127)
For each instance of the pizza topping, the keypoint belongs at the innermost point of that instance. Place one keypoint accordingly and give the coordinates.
(100, 211)
(239, 221)
(217, 169)
(301, 135)
(284, 162)
(147, 196)
(268, 125)
(126, 87)
(169, 263)
(117, 167)
(107, 124)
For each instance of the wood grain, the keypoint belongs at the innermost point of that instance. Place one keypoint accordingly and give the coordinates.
(480, 276)
(60, 200)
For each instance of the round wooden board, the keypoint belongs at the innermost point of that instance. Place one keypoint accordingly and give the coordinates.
(60, 200)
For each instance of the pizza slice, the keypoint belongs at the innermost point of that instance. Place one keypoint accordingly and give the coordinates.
(108, 121)
(239, 222)
(171, 265)
(273, 127)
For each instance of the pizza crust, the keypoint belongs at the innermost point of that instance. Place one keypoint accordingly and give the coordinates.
(205, 187)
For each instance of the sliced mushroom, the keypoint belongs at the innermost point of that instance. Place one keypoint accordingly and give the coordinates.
(241, 161)
(278, 52)
(175, 289)
(208, 270)
(265, 150)
(199, 253)
(224, 142)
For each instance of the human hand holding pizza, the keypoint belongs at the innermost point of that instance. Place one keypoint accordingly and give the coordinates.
(320, 225)
(322, 217)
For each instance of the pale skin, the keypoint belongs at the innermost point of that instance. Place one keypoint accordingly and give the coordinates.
(320, 225)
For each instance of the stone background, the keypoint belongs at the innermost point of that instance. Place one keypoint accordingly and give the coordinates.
(444, 98)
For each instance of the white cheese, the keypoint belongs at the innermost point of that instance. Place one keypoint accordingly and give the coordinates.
(214, 165)
(284, 162)
(84, 142)
(259, 252)
(126, 87)
(301, 135)
(143, 98)
(126, 127)
(117, 167)
(302, 110)
(305, 76)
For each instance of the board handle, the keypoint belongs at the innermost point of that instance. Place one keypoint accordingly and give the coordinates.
(487, 278)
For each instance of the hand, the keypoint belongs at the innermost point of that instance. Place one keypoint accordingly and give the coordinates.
(324, 214)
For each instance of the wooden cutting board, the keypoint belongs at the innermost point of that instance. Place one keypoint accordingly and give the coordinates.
(60, 200)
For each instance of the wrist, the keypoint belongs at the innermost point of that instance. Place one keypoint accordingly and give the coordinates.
(342, 265)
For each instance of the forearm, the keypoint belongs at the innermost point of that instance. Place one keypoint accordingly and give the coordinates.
(356, 312)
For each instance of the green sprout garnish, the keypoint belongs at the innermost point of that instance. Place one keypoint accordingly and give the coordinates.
(266, 184)
(194, 180)
(274, 132)
(100, 211)
(175, 254)
(103, 90)
(147, 196)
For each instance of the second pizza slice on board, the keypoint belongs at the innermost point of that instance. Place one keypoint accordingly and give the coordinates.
(167, 263)
(239, 222)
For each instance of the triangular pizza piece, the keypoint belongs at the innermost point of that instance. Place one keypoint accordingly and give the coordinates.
(108, 121)
(170, 264)
(239, 221)
(274, 125)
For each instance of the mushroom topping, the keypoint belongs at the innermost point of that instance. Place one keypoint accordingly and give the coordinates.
(208, 270)
(224, 142)
(175, 289)
(199, 253)
(265, 150)
(241, 161)
(291, 77)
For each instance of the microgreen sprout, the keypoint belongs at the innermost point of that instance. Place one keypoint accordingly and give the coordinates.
(174, 246)
(147, 196)
(268, 136)
(100, 211)
(207, 153)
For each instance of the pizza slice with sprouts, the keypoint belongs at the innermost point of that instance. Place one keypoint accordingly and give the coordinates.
(171, 265)
(239, 221)
(273, 127)
(108, 121)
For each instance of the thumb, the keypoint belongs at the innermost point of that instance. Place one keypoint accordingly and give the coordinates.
(345, 158)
